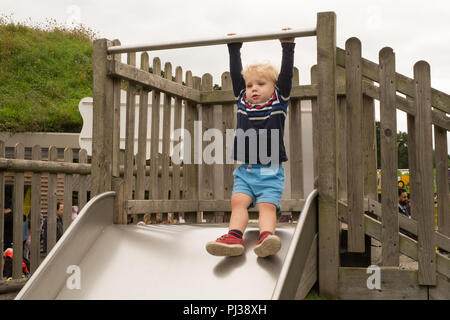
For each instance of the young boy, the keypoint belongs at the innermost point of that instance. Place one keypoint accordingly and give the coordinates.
(263, 97)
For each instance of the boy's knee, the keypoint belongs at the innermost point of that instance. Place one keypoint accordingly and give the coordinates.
(241, 200)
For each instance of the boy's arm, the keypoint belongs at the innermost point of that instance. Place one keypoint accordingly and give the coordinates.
(237, 79)
(287, 69)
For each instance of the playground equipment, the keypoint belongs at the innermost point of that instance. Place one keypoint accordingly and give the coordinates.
(342, 94)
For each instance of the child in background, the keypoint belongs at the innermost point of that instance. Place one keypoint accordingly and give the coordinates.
(262, 100)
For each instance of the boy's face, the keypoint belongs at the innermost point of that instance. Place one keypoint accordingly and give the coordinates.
(259, 89)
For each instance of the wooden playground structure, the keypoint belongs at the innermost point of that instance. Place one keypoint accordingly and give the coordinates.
(343, 90)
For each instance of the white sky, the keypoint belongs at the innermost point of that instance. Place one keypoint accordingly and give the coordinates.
(416, 30)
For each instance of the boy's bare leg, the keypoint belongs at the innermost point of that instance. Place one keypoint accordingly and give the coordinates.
(267, 217)
(239, 212)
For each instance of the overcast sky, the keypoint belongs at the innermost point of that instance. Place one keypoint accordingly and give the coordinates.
(416, 30)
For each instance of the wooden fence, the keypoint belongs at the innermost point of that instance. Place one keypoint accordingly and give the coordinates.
(365, 82)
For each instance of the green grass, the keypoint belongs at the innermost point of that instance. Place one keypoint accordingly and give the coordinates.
(44, 72)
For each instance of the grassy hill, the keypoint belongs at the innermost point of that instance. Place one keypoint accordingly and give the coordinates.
(44, 72)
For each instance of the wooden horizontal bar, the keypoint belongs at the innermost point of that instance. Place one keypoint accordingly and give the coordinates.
(159, 206)
(394, 284)
(213, 41)
(405, 85)
(151, 81)
(20, 165)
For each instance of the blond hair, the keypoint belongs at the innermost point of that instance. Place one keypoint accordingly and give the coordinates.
(265, 70)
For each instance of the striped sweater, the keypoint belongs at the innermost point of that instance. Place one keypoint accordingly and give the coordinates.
(256, 141)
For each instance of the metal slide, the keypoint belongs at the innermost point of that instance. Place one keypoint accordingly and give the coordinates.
(166, 261)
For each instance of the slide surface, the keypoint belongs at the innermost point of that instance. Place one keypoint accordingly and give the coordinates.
(96, 259)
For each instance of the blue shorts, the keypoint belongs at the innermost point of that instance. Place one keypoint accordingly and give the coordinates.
(261, 182)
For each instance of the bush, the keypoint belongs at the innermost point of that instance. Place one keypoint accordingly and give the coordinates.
(45, 70)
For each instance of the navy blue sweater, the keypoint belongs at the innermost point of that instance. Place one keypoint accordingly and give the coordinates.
(257, 122)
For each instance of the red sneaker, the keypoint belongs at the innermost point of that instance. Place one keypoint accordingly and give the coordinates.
(226, 245)
(268, 245)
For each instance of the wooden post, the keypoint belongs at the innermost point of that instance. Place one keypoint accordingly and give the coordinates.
(116, 119)
(18, 198)
(51, 201)
(388, 144)
(154, 144)
(120, 214)
(423, 189)
(129, 132)
(207, 170)
(316, 127)
(190, 173)
(369, 149)
(411, 125)
(227, 123)
(176, 168)
(67, 213)
(82, 192)
(142, 135)
(102, 126)
(328, 214)
(167, 105)
(35, 213)
(295, 141)
(355, 176)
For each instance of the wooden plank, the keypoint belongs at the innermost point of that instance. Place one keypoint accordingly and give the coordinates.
(206, 167)
(369, 149)
(21, 165)
(228, 128)
(355, 176)
(225, 96)
(51, 201)
(295, 141)
(441, 158)
(395, 284)
(67, 209)
(102, 127)
(142, 135)
(155, 206)
(176, 173)
(315, 130)
(405, 85)
(328, 215)
(2, 207)
(82, 191)
(116, 118)
(120, 215)
(129, 132)
(442, 289)
(18, 198)
(388, 144)
(218, 178)
(412, 145)
(152, 81)
(35, 213)
(154, 140)
(167, 103)
(341, 147)
(424, 189)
